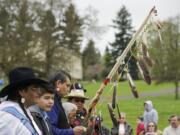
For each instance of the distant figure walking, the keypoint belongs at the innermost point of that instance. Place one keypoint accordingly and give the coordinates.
(150, 114)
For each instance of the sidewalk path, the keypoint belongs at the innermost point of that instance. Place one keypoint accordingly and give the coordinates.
(149, 94)
(141, 95)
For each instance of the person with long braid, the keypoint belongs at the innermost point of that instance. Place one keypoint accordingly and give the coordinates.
(22, 91)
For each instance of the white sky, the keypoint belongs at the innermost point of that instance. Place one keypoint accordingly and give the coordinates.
(137, 8)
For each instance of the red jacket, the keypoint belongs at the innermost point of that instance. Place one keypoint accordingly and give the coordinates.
(140, 128)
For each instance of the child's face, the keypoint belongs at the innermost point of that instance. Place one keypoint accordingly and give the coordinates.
(46, 101)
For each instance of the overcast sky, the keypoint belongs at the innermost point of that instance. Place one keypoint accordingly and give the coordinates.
(107, 10)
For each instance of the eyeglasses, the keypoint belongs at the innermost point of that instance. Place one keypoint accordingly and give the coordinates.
(150, 125)
(79, 100)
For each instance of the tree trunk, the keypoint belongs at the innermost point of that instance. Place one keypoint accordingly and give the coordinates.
(176, 90)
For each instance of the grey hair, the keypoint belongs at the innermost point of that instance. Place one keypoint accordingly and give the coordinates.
(68, 107)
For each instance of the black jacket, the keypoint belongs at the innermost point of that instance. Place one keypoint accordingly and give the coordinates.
(62, 119)
(128, 130)
(41, 120)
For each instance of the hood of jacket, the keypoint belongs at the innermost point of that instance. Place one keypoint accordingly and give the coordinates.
(39, 112)
(148, 105)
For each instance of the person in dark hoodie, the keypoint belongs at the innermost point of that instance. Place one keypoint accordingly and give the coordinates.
(60, 126)
(38, 111)
(150, 114)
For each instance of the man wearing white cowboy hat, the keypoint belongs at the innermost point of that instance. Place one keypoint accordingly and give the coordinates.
(77, 97)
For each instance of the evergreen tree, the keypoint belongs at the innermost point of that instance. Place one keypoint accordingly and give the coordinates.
(122, 24)
(91, 61)
(71, 29)
(48, 40)
(106, 60)
(17, 34)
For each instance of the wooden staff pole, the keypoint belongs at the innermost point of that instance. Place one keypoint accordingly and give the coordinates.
(119, 61)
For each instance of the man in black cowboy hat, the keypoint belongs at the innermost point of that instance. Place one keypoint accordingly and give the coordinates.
(22, 91)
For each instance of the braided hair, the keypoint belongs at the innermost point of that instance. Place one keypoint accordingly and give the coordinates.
(25, 112)
(15, 96)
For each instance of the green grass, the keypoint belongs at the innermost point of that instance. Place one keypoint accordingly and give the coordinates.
(165, 105)
(1, 87)
(124, 89)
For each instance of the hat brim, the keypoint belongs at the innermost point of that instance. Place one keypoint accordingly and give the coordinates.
(71, 96)
(7, 89)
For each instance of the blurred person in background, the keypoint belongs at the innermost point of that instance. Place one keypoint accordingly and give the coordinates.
(150, 114)
(140, 126)
(174, 127)
(123, 128)
(152, 129)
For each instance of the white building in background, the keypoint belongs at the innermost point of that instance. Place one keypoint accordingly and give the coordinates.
(71, 62)
(75, 67)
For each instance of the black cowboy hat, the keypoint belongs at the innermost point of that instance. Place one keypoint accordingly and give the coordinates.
(21, 76)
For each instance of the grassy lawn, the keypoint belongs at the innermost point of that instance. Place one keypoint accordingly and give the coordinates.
(1, 87)
(165, 105)
(124, 89)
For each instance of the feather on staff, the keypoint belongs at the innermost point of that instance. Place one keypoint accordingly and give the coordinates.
(132, 85)
(157, 26)
(143, 70)
(114, 95)
(118, 110)
(112, 115)
(149, 61)
(145, 54)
